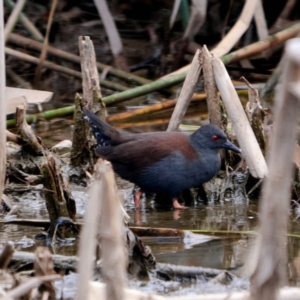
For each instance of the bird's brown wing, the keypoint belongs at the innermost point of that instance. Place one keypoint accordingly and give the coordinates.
(139, 151)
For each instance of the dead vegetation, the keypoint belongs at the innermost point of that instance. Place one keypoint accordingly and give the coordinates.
(24, 157)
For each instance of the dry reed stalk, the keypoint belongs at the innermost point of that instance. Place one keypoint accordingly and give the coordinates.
(197, 18)
(270, 271)
(104, 199)
(89, 231)
(174, 13)
(186, 93)
(261, 25)
(253, 49)
(13, 18)
(115, 41)
(113, 251)
(237, 30)
(240, 123)
(2, 104)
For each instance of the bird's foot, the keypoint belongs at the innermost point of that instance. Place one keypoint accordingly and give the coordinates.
(177, 205)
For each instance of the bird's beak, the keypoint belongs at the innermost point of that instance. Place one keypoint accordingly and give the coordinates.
(230, 146)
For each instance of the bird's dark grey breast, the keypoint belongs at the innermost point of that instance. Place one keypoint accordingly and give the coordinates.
(175, 173)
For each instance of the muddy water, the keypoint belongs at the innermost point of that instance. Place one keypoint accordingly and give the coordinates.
(228, 220)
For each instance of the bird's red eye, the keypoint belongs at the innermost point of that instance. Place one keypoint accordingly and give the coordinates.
(215, 138)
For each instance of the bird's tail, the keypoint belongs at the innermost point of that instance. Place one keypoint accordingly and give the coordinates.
(105, 134)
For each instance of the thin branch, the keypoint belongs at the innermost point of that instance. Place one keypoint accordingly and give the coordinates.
(46, 41)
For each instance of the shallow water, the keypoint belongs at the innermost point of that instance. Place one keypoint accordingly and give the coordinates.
(227, 220)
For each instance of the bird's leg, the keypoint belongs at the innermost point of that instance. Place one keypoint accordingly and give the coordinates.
(177, 205)
(137, 196)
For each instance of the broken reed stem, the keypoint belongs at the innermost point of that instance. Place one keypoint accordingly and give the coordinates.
(212, 97)
(270, 272)
(26, 132)
(81, 154)
(13, 18)
(186, 93)
(240, 123)
(92, 97)
(2, 105)
(255, 115)
(56, 202)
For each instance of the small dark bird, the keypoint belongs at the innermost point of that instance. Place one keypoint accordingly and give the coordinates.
(161, 162)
